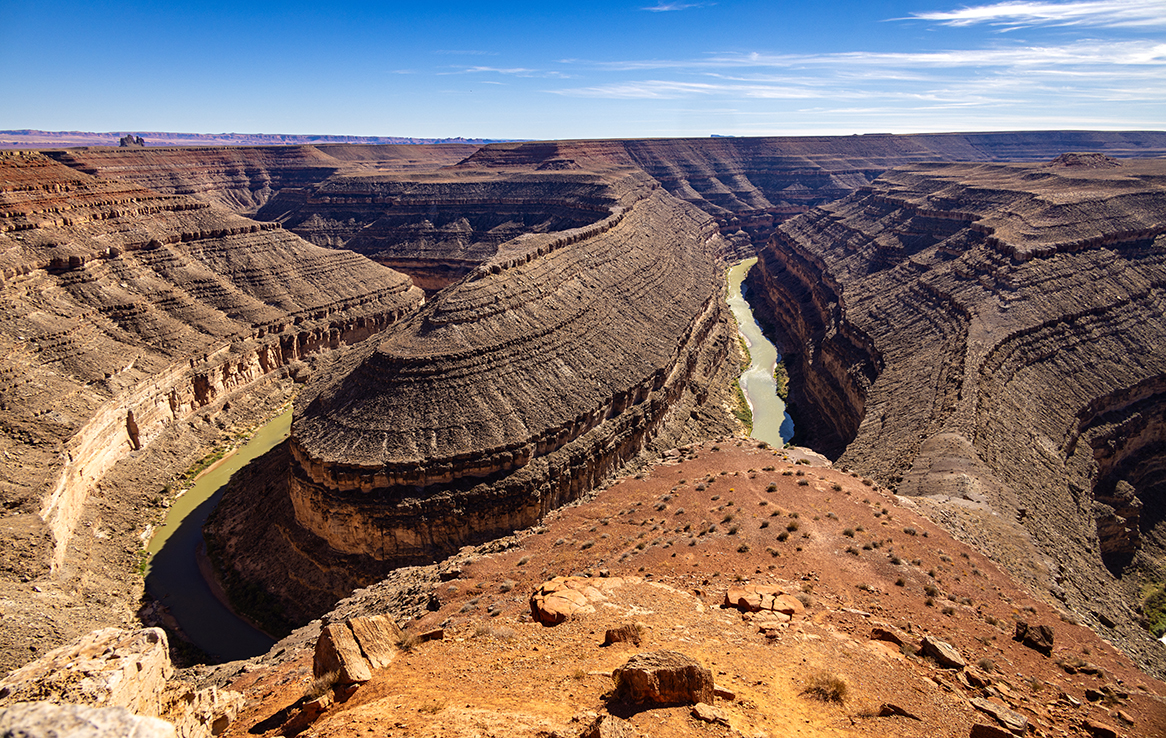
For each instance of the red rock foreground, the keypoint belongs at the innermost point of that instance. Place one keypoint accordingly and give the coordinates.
(903, 632)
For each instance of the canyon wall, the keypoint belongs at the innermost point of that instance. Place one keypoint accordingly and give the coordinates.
(126, 313)
(513, 392)
(990, 335)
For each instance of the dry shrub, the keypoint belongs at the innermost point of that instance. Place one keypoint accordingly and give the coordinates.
(827, 687)
(321, 684)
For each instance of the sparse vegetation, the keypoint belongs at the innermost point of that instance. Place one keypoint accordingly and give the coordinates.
(524, 561)
(407, 641)
(321, 684)
(909, 531)
(827, 687)
(848, 532)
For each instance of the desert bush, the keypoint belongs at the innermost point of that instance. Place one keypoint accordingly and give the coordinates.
(900, 582)
(743, 548)
(782, 536)
(827, 687)
(848, 532)
(764, 523)
(791, 526)
(909, 531)
(852, 550)
(321, 684)
(524, 561)
(803, 483)
(931, 590)
(986, 664)
(407, 641)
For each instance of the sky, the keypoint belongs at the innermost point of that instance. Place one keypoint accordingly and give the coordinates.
(558, 70)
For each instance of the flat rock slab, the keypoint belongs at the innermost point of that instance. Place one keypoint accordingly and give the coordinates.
(355, 647)
(763, 597)
(943, 652)
(663, 677)
(1008, 718)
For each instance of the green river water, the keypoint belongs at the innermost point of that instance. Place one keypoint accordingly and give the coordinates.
(771, 422)
(172, 573)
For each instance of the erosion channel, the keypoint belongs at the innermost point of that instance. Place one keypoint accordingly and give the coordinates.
(173, 574)
(771, 422)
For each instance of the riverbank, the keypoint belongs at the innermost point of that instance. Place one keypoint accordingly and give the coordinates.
(770, 421)
(177, 575)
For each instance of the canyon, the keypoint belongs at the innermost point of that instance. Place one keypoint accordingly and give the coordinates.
(477, 336)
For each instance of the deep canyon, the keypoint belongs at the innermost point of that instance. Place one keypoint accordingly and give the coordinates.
(477, 336)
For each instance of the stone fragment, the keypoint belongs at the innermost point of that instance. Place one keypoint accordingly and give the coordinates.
(609, 726)
(788, 605)
(982, 730)
(976, 678)
(944, 653)
(48, 720)
(1124, 716)
(889, 710)
(337, 650)
(1008, 718)
(709, 714)
(1037, 637)
(1094, 695)
(437, 634)
(1098, 729)
(629, 633)
(724, 694)
(888, 635)
(663, 677)
(377, 637)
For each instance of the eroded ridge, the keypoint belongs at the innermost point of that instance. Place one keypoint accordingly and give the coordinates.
(1015, 314)
(125, 312)
(513, 393)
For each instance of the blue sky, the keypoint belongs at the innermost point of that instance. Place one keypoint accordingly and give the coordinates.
(574, 70)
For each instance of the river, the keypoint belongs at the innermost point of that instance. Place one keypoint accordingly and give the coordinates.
(172, 572)
(771, 422)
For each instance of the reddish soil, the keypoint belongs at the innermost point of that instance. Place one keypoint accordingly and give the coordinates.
(499, 673)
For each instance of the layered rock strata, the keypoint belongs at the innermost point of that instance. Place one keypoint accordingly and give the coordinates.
(991, 334)
(125, 313)
(513, 392)
(437, 229)
(244, 178)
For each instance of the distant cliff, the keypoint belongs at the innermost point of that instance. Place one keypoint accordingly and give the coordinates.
(990, 336)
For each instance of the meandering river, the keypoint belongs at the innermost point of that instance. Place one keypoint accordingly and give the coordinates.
(771, 422)
(173, 576)
(172, 572)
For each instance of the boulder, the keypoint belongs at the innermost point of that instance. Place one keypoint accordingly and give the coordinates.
(562, 598)
(762, 598)
(1008, 718)
(629, 633)
(48, 720)
(378, 637)
(338, 651)
(1098, 729)
(356, 647)
(709, 714)
(663, 677)
(1036, 637)
(944, 653)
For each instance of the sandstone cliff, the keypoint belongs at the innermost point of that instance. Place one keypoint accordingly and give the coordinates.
(991, 335)
(513, 392)
(126, 313)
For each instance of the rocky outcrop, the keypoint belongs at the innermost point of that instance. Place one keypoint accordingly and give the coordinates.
(439, 228)
(989, 334)
(113, 668)
(128, 313)
(514, 392)
(244, 178)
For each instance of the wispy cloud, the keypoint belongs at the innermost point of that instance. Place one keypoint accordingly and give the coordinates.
(1096, 13)
(510, 71)
(663, 7)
